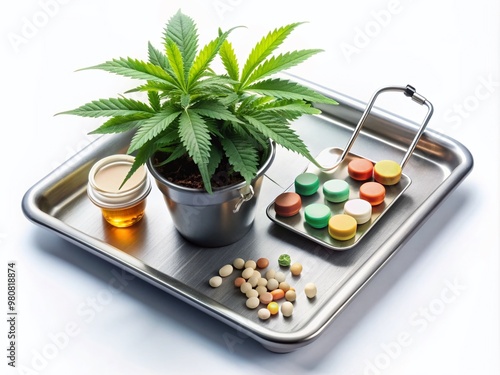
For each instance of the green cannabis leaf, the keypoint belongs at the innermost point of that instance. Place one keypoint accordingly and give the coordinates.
(191, 110)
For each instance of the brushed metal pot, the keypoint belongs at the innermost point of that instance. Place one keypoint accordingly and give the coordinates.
(217, 219)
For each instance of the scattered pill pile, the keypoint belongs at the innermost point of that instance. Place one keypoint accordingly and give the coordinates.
(341, 227)
(265, 288)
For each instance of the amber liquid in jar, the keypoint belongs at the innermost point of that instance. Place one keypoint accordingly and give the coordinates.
(124, 217)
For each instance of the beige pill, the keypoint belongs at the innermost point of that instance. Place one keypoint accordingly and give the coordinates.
(247, 273)
(284, 286)
(310, 290)
(290, 295)
(250, 264)
(287, 309)
(296, 269)
(272, 284)
(239, 263)
(264, 314)
(280, 276)
(226, 270)
(215, 281)
(252, 293)
(270, 274)
(253, 281)
(245, 287)
(261, 289)
(262, 281)
(253, 302)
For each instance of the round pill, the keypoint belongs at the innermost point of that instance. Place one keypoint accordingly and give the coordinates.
(262, 263)
(264, 314)
(360, 169)
(238, 263)
(287, 204)
(336, 191)
(253, 302)
(387, 172)
(238, 281)
(245, 287)
(253, 281)
(287, 309)
(342, 227)
(226, 270)
(284, 260)
(262, 281)
(290, 295)
(306, 184)
(251, 264)
(280, 277)
(215, 281)
(247, 273)
(252, 293)
(261, 289)
(272, 284)
(270, 274)
(273, 307)
(266, 298)
(373, 192)
(296, 269)
(359, 209)
(317, 215)
(310, 290)
(284, 286)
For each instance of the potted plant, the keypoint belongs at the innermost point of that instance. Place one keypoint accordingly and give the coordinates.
(208, 138)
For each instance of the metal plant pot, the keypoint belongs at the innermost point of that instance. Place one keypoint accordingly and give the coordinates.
(217, 219)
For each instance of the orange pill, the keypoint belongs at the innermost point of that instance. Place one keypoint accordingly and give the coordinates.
(360, 169)
(262, 262)
(278, 294)
(373, 192)
(238, 281)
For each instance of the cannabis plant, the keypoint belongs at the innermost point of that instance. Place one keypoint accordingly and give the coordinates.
(191, 110)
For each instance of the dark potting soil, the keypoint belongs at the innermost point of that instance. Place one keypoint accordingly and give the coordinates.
(184, 172)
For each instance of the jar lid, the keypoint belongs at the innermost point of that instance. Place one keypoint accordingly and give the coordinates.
(106, 176)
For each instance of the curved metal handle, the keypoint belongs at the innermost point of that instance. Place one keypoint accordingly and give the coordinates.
(408, 91)
(246, 193)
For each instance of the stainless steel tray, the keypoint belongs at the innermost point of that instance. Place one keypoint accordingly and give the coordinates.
(297, 223)
(154, 251)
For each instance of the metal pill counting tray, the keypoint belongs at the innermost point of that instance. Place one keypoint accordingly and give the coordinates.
(297, 222)
(154, 251)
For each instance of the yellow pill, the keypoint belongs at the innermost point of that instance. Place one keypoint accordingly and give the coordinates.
(387, 172)
(273, 308)
(342, 227)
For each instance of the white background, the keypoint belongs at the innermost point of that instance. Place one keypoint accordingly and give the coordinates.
(449, 50)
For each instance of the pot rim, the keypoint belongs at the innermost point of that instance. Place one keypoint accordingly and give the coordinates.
(221, 190)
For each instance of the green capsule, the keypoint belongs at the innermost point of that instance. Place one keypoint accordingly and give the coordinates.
(284, 260)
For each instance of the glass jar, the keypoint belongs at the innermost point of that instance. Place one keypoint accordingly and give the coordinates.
(121, 207)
